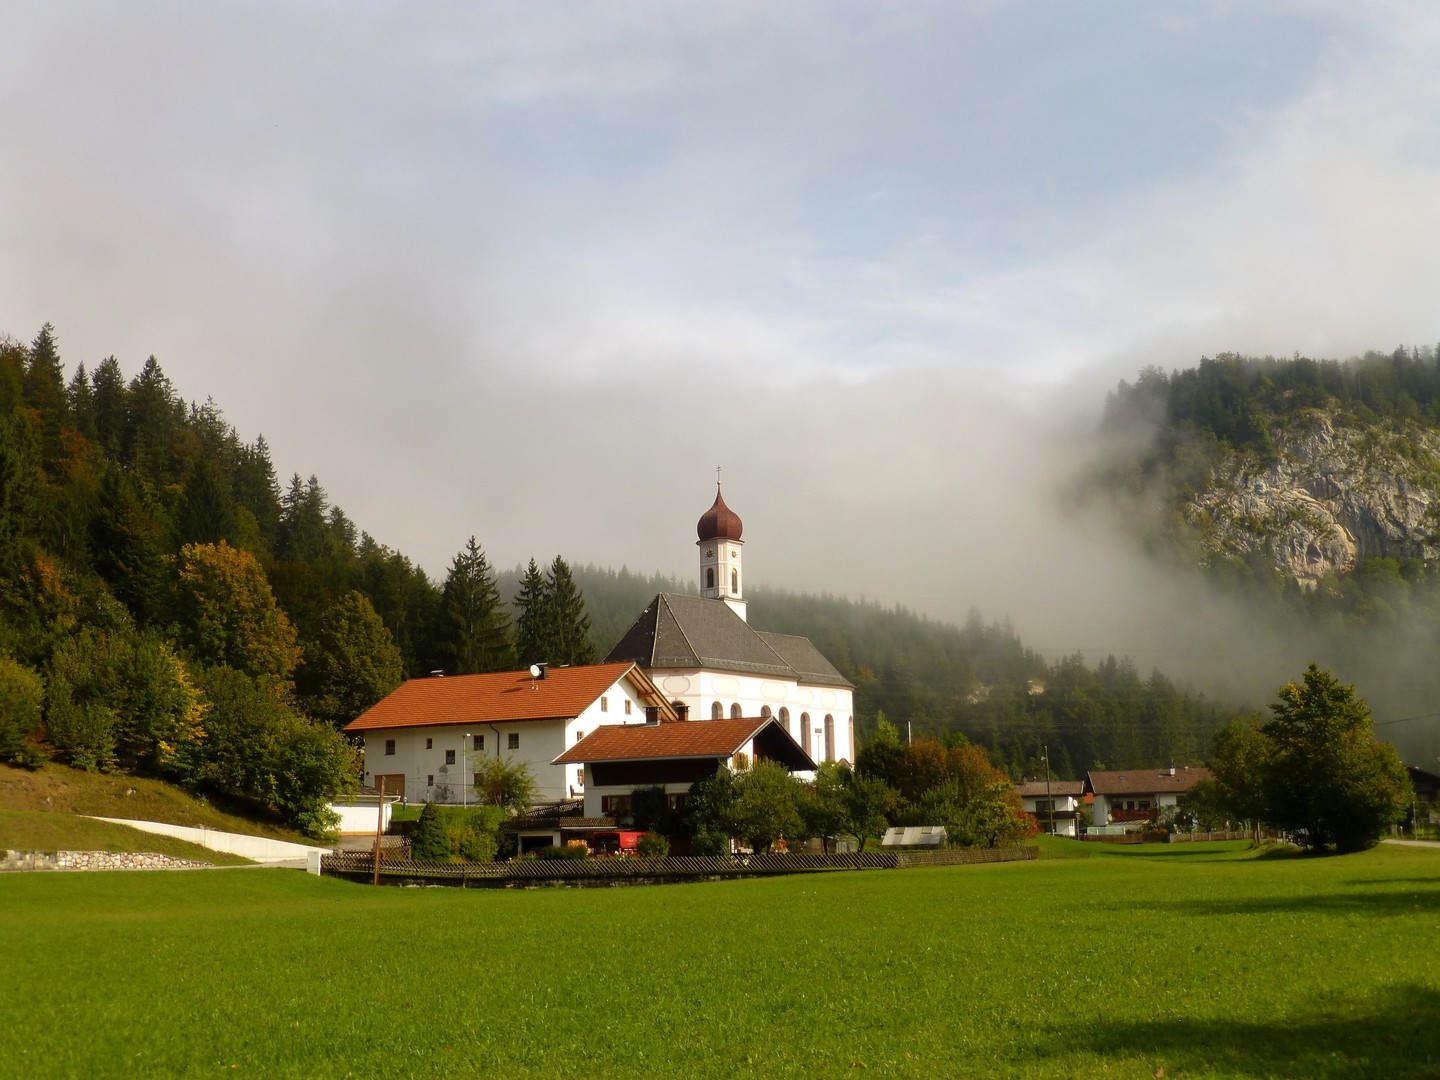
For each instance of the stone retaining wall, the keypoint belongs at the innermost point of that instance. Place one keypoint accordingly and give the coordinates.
(92, 860)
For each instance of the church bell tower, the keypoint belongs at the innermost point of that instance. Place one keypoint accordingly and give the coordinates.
(720, 546)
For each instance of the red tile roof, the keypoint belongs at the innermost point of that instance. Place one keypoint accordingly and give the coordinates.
(506, 696)
(639, 742)
(1145, 781)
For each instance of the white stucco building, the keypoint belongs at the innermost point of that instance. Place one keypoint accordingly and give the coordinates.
(1056, 801)
(425, 738)
(702, 653)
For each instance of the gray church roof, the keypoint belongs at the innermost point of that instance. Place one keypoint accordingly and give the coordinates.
(680, 631)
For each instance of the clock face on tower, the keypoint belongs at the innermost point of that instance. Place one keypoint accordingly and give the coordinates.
(709, 553)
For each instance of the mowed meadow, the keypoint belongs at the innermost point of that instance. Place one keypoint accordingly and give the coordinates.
(1201, 960)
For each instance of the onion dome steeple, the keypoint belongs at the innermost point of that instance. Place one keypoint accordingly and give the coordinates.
(719, 522)
(720, 545)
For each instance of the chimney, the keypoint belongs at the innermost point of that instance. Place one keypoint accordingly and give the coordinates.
(437, 673)
(682, 710)
(652, 714)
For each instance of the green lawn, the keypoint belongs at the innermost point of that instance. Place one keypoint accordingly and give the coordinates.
(1198, 960)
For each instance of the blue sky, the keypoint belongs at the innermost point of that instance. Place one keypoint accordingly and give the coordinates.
(531, 271)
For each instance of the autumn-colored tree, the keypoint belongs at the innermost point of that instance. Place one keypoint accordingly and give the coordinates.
(121, 698)
(229, 616)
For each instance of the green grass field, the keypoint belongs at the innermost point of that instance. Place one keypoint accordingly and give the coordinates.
(1201, 961)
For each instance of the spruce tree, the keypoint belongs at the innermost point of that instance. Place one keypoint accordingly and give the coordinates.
(44, 388)
(475, 628)
(568, 622)
(430, 842)
(533, 622)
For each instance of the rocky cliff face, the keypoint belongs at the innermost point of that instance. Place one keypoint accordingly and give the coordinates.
(1330, 495)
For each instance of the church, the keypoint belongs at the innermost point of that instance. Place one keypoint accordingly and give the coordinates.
(687, 658)
(702, 653)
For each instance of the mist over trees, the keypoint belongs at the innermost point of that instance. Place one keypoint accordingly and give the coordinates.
(1175, 435)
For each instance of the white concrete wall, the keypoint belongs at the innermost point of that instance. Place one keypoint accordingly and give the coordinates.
(259, 848)
(429, 779)
(359, 818)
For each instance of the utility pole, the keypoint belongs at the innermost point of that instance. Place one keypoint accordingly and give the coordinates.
(379, 820)
(1049, 802)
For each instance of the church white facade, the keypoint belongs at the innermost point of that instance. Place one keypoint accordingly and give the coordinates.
(702, 653)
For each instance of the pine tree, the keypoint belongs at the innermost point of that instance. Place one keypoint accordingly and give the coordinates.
(533, 623)
(568, 622)
(44, 388)
(108, 401)
(475, 627)
(257, 491)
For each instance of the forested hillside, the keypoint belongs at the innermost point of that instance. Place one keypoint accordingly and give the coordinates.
(169, 607)
(1306, 491)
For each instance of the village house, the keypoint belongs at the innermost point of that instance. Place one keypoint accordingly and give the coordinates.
(1057, 801)
(425, 739)
(617, 760)
(1138, 795)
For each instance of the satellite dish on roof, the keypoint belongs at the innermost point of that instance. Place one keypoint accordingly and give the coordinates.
(536, 671)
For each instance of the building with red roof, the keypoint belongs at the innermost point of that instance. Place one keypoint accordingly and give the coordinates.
(424, 739)
(618, 759)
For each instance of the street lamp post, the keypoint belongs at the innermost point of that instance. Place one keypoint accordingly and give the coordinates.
(464, 769)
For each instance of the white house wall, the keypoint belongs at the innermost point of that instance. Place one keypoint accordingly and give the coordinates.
(700, 689)
(595, 794)
(429, 779)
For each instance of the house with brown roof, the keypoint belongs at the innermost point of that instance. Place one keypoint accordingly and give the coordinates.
(1138, 795)
(424, 739)
(701, 651)
(617, 760)
(1054, 802)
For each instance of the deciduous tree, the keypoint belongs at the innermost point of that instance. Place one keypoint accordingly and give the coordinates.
(1327, 779)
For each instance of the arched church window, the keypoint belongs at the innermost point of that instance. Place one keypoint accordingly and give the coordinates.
(765, 712)
(850, 734)
(805, 732)
(785, 718)
(717, 711)
(735, 710)
(735, 581)
(829, 737)
(709, 577)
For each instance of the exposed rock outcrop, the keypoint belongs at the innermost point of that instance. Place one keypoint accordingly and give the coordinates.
(1330, 495)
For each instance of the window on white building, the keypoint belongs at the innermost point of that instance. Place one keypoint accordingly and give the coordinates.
(513, 740)
(604, 704)
(429, 744)
(717, 711)
(627, 706)
(735, 710)
(449, 757)
(479, 742)
(389, 746)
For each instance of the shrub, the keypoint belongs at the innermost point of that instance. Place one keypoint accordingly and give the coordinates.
(653, 845)
(566, 852)
(21, 694)
(430, 841)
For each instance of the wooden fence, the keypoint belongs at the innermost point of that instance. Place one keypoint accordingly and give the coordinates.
(672, 868)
